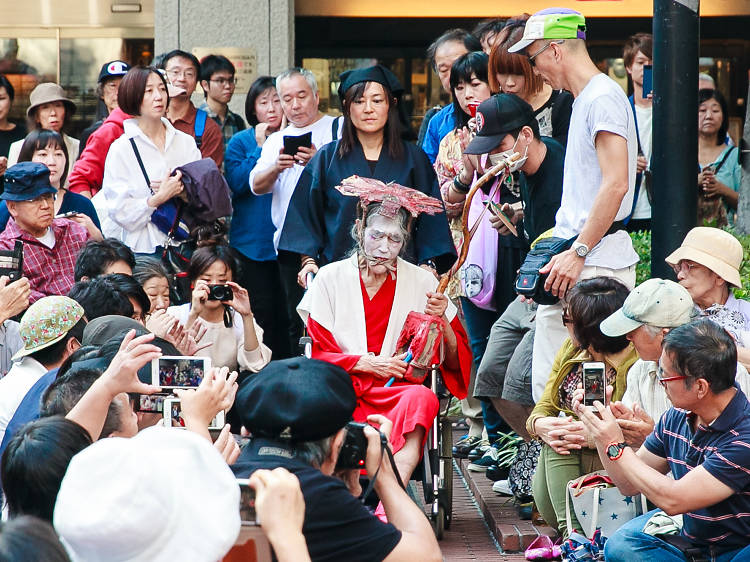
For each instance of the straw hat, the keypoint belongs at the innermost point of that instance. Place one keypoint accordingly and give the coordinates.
(47, 92)
(713, 248)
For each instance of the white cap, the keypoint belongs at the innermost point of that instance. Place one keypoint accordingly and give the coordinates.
(657, 302)
(164, 495)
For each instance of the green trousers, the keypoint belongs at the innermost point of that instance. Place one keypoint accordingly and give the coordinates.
(553, 472)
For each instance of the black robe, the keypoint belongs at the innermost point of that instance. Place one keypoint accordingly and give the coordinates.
(319, 219)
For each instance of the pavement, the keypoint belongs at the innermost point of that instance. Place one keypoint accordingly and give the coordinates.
(485, 525)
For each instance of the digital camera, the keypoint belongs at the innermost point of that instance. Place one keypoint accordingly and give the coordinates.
(354, 450)
(220, 293)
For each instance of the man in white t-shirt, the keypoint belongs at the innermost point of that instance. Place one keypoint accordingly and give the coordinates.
(636, 54)
(277, 172)
(598, 177)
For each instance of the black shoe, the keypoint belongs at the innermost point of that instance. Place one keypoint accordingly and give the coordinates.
(478, 451)
(463, 447)
(496, 472)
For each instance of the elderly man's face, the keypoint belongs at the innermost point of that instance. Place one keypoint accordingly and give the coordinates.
(34, 216)
(646, 343)
(298, 101)
(445, 55)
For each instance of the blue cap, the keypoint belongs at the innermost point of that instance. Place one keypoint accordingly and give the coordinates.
(25, 181)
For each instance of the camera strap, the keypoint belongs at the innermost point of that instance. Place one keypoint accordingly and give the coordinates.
(384, 450)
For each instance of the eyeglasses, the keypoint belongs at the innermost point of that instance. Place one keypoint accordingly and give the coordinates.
(224, 81)
(540, 51)
(664, 380)
(43, 198)
(188, 73)
(684, 265)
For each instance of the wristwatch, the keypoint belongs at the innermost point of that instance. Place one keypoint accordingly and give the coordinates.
(581, 249)
(614, 450)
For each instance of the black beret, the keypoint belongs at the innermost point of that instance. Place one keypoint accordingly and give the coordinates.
(297, 400)
(377, 73)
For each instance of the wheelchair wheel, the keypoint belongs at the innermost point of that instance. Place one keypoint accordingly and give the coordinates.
(446, 461)
(438, 523)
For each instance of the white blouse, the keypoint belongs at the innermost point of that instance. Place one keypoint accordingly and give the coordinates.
(124, 194)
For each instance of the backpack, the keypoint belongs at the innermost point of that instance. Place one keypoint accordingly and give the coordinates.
(199, 127)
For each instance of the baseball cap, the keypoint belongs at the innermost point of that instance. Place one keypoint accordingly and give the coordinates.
(296, 400)
(552, 23)
(496, 117)
(658, 302)
(46, 322)
(165, 494)
(113, 69)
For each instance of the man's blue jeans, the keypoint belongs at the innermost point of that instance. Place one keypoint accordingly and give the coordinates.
(631, 544)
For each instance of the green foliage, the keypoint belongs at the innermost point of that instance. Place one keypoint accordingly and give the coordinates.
(642, 245)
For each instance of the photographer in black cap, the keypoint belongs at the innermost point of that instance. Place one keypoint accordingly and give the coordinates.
(296, 411)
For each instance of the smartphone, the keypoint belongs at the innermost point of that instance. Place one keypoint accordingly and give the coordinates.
(293, 144)
(594, 383)
(247, 503)
(66, 215)
(173, 415)
(496, 210)
(648, 79)
(151, 403)
(473, 108)
(178, 371)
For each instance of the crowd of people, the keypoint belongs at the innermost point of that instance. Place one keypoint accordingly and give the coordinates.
(121, 247)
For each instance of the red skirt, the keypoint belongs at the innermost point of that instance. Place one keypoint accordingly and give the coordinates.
(407, 405)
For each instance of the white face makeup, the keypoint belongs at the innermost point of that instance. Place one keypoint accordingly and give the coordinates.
(383, 238)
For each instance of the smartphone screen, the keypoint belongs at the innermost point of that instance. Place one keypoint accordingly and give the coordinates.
(247, 503)
(648, 80)
(594, 383)
(179, 371)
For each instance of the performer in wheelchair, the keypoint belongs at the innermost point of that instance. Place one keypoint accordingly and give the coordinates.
(355, 310)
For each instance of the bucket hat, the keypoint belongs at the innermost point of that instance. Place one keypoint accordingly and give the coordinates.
(47, 92)
(46, 322)
(164, 495)
(713, 248)
(26, 181)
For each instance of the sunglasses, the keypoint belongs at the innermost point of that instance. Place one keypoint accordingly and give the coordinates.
(540, 51)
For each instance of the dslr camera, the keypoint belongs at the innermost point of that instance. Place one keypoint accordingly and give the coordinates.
(354, 450)
(11, 262)
(220, 293)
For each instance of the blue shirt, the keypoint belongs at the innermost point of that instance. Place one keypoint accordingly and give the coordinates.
(28, 409)
(723, 450)
(251, 231)
(440, 125)
(72, 202)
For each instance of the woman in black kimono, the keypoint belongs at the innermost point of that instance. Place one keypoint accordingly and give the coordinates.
(319, 219)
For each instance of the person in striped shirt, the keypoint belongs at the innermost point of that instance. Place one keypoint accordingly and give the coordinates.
(703, 440)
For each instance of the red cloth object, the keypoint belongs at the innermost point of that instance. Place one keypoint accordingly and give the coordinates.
(406, 405)
(88, 171)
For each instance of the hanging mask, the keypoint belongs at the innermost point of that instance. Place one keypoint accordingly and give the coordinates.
(507, 154)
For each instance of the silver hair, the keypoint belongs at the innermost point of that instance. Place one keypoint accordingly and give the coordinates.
(707, 78)
(298, 71)
(372, 211)
(314, 453)
(653, 331)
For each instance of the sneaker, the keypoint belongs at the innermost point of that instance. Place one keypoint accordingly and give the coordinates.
(479, 450)
(501, 487)
(464, 446)
(488, 459)
(497, 472)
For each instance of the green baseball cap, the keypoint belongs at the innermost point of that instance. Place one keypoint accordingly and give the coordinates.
(552, 23)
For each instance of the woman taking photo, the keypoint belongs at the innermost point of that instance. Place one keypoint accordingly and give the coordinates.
(236, 339)
(9, 132)
(49, 109)
(251, 230)
(127, 201)
(318, 220)
(719, 168)
(512, 73)
(48, 148)
(568, 451)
